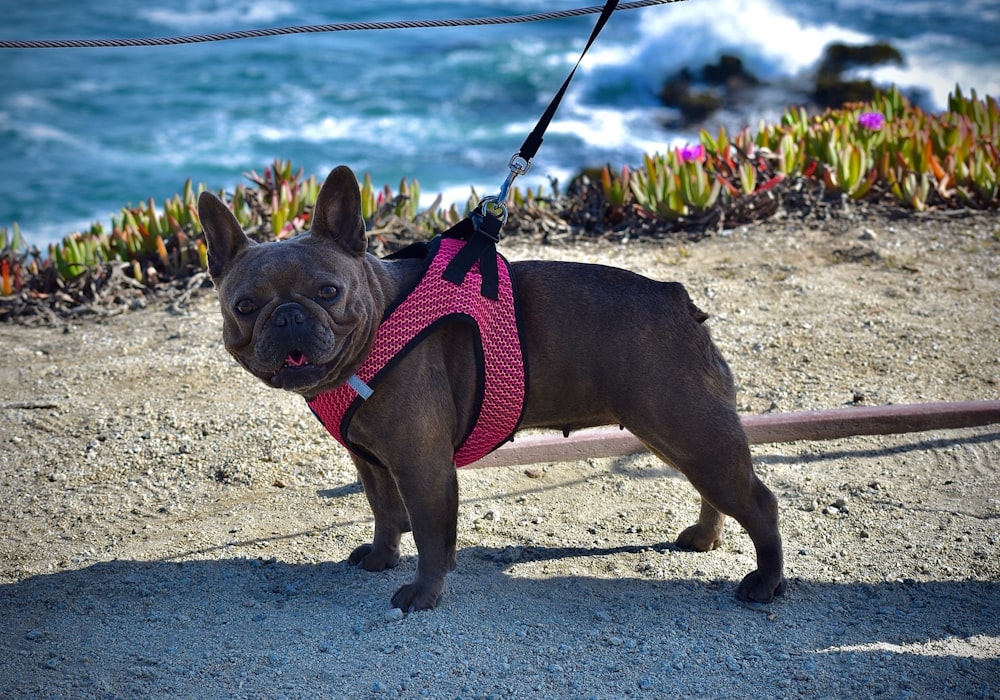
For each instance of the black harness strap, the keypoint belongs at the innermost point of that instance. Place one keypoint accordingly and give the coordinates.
(481, 240)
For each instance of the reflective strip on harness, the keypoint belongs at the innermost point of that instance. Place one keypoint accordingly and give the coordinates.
(431, 300)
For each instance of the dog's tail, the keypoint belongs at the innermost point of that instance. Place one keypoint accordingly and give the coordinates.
(716, 368)
(696, 313)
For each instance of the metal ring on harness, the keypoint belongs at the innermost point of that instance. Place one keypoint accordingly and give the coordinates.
(491, 207)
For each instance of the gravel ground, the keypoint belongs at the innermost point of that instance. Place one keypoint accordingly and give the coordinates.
(172, 528)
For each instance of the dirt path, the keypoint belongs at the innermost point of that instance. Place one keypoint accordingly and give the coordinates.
(172, 528)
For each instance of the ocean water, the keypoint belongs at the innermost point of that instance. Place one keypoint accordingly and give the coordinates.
(85, 131)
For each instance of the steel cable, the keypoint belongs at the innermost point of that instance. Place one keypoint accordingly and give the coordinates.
(316, 29)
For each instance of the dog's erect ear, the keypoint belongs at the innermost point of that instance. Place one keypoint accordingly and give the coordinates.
(223, 233)
(337, 214)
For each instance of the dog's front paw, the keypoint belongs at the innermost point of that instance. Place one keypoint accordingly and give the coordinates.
(417, 596)
(372, 558)
(759, 588)
(698, 539)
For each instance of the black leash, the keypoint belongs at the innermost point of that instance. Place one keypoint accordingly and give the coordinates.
(481, 230)
(534, 141)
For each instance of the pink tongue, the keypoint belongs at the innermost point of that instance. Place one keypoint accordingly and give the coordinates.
(296, 359)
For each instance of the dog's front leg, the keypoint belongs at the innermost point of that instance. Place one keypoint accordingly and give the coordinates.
(430, 493)
(411, 425)
(391, 520)
(426, 493)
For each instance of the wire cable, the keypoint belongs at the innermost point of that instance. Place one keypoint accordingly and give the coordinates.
(317, 29)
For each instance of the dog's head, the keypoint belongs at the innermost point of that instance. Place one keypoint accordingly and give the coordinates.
(299, 314)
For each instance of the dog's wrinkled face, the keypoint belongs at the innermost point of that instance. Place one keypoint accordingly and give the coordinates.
(298, 314)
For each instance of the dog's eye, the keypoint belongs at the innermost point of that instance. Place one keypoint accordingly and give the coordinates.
(245, 306)
(328, 292)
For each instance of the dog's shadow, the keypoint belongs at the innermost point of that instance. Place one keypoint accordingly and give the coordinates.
(253, 622)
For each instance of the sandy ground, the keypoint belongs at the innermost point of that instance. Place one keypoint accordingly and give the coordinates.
(172, 528)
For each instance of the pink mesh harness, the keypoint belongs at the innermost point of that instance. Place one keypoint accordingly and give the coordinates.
(433, 301)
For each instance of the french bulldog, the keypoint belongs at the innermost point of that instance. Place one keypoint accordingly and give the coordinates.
(602, 346)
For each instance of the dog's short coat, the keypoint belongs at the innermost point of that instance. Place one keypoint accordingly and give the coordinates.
(603, 346)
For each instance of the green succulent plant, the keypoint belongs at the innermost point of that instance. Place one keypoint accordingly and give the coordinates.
(886, 147)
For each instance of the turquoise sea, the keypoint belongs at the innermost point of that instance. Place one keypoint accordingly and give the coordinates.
(86, 131)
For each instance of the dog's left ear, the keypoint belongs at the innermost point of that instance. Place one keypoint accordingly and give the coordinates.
(337, 214)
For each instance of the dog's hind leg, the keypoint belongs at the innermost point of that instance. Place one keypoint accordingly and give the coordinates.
(724, 477)
(707, 534)
(715, 458)
(391, 519)
(738, 492)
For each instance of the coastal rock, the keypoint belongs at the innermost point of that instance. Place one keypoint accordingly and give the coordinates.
(698, 94)
(832, 89)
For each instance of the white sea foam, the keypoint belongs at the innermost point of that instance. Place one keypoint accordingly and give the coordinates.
(24, 102)
(34, 132)
(771, 42)
(400, 134)
(932, 66)
(217, 14)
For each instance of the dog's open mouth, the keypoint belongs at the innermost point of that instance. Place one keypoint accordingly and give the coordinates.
(296, 359)
(297, 372)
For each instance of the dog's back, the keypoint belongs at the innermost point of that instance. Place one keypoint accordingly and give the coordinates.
(600, 338)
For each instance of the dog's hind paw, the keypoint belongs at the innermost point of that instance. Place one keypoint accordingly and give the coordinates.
(759, 588)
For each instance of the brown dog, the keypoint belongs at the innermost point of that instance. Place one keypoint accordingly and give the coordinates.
(603, 346)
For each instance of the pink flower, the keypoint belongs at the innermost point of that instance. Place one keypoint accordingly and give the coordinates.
(696, 152)
(871, 120)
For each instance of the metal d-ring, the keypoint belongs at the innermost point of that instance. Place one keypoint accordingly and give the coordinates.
(492, 207)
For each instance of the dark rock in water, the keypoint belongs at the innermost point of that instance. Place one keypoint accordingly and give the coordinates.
(694, 105)
(838, 57)
(722, 79)
(729, 71)
(676, 89)
(832, 90)
(698, 106)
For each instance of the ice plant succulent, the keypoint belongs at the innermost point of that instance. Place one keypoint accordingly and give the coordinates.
(886, 147)
(6, 284)
(675, 185)
(615, 189)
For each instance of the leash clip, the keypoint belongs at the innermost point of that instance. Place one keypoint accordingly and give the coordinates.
(491, 214)
(518, 165)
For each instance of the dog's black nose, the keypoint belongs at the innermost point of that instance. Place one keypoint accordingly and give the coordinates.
(289, 316)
